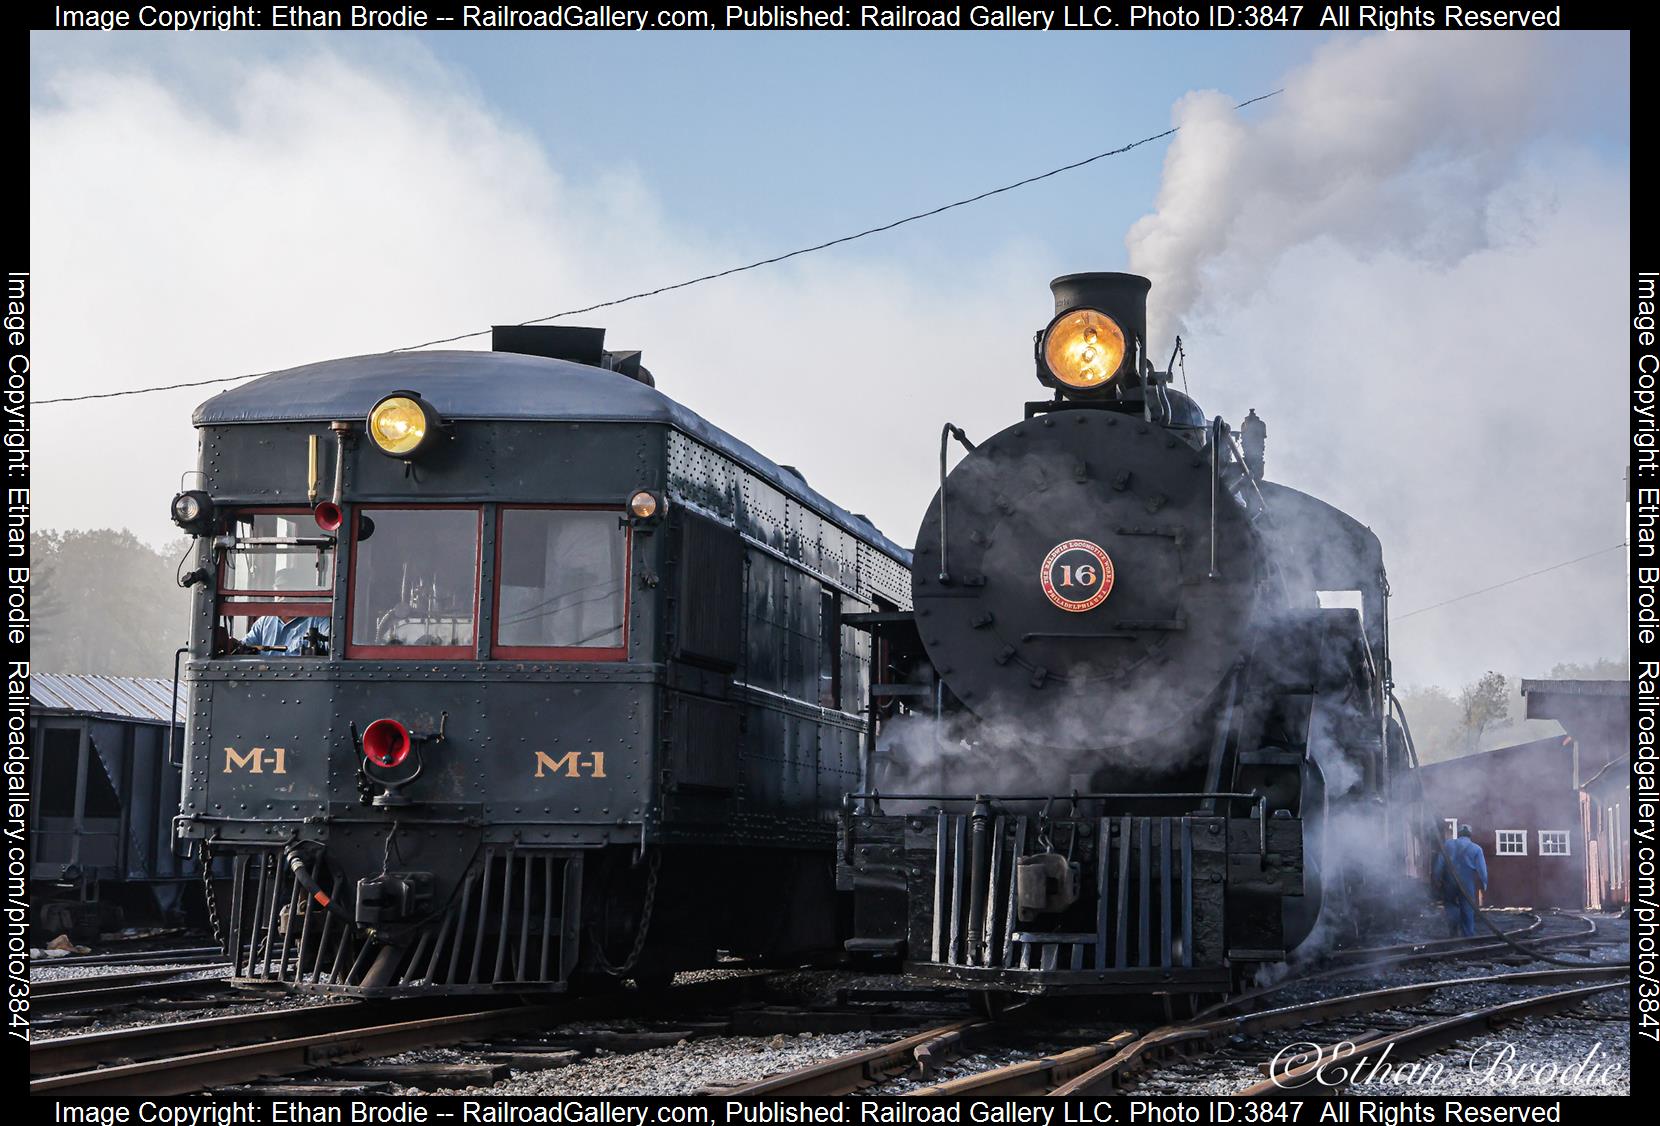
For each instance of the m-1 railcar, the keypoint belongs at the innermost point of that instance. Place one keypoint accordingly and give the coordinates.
(508, 672)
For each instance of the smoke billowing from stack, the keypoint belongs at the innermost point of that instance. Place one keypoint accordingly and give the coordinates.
(1390, 142)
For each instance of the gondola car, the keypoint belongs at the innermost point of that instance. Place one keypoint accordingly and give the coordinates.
(1143, 745)
(104, 789)
(510, 673)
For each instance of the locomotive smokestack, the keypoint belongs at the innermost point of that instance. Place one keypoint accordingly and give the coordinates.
(1121, 296)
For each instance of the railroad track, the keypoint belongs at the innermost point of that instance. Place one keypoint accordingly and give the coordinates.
(1583, 929)
(38, 989)
(174, 956)
(215, 1052)
(168, 990)
(364, 1035)
(1105, 1066)
(1420, 1039)
(1535, 922)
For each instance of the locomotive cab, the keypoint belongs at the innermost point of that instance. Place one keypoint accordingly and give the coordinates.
(1137, 740)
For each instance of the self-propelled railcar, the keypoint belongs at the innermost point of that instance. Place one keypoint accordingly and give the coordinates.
(508, 671)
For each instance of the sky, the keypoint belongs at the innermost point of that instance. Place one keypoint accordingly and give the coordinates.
(1411, 263)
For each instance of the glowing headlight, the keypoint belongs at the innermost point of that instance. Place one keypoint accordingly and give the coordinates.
(643, 505)
(193, 512)
(1083, 348)
(401, 424)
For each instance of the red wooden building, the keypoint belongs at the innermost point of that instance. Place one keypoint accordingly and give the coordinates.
(1596, 714)
(1522, 807)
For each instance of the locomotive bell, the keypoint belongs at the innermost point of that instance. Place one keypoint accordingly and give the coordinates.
(1094, 343)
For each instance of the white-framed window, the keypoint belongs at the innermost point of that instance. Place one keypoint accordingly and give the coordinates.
(1511, 842)
(1452, 826)
(1553, 842)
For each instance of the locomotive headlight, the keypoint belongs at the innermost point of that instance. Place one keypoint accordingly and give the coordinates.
(193, 512)
(1083, 349)
(403, 424)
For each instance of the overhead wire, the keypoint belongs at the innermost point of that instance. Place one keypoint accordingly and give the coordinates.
(700, 279)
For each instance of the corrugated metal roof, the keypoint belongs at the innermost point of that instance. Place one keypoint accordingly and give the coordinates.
(118, 697)
(1578, 687)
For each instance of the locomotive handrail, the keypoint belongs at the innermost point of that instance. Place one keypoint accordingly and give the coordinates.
(951, 430)
(173, 712)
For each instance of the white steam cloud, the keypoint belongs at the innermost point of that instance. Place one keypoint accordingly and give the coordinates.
(1415, 272)
(1392, 142)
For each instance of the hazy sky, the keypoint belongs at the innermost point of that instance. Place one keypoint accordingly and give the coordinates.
(1411, 263)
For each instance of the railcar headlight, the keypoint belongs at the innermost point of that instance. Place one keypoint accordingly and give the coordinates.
(643, 505)
(193, 512)
(403, 424)
(1083, 349)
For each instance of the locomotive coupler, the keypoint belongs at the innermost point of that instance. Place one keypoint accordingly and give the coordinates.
(393, 897)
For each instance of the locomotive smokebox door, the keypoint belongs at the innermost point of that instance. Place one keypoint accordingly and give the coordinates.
(1044, 884)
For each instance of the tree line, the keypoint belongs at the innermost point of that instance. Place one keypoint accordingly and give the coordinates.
(105, 602)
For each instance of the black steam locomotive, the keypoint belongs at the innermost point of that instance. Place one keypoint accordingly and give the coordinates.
(1133, 736)
(507, 671)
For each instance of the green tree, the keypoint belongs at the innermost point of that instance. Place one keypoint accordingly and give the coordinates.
(1433, 714)
(1483, 704)
(105, 603)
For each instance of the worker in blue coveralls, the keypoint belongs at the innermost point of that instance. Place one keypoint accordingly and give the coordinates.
(293, 636)
(1461, 870)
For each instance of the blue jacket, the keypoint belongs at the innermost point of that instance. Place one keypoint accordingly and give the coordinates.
(291, 635)
(1461, 859)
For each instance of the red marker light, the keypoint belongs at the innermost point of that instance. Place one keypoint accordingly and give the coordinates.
(386, 743)
(329, 517)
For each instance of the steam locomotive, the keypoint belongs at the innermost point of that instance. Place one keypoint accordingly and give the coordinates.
(1133, 735)
(510, 673)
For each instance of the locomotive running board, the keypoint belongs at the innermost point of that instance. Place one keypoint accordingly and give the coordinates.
(511, 925)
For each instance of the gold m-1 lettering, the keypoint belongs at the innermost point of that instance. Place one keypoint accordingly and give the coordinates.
(254, 761)
(572, 763)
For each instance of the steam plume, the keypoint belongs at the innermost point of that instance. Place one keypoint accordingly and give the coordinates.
(1391, 142)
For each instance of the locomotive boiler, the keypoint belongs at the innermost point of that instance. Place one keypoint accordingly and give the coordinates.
(1133, 734)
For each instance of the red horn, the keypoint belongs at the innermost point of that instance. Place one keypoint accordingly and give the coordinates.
(386, 743)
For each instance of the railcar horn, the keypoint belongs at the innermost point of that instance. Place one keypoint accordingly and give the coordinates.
(329, 514)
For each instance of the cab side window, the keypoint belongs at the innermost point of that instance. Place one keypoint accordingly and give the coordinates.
(276, 586)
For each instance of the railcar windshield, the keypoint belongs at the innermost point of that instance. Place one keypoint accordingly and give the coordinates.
(563, 583)
(415, 583)
(276, 585)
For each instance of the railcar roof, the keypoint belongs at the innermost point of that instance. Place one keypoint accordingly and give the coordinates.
(498, 386)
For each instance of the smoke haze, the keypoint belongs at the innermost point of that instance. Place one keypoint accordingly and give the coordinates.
(1403, 263)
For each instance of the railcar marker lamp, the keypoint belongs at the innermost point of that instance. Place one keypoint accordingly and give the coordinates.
(404, 425)
(645, 507)
(192, 511)
(1082, 350)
